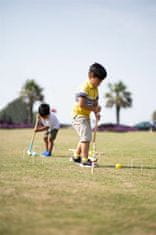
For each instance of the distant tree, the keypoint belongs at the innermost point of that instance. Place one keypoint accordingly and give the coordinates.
(119, 97)
(15, 112)
(30, 93)
(154, 116)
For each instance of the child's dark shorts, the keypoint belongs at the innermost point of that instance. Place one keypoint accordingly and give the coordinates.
(51, 134)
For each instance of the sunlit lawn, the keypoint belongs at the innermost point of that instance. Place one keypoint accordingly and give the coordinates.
(54, 196)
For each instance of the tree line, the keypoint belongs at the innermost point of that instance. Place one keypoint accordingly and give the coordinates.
(21, 109)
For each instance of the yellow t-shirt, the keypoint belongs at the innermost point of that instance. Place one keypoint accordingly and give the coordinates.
(90, 93)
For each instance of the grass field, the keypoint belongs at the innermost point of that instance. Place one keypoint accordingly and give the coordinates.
(54, 196)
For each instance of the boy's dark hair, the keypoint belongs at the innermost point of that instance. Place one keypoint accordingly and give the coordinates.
(97, 70)
(44, 109)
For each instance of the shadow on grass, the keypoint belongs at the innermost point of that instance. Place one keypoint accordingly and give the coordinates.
(128, 167)
(62, 156)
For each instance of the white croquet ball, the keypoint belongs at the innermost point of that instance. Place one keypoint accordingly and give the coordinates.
(34, 154)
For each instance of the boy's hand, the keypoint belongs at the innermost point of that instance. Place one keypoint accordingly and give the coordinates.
(35, 130)
(97, 109)
(98, 116)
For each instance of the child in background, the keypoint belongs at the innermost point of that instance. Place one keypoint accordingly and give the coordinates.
(87, 102)
(49, 124)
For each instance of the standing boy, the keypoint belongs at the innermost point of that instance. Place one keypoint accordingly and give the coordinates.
(87, 102)
(50, 124)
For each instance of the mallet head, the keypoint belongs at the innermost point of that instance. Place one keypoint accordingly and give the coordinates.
(29, 153)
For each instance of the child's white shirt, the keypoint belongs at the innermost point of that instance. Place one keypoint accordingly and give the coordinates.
(51, 122)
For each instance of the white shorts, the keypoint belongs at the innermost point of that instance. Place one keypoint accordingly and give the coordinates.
(82, 126)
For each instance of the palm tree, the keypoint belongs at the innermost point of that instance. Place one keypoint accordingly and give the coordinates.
(31, 92)
(118, 96)
(154, 116)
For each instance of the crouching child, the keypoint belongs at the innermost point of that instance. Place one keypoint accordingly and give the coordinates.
(50, 125)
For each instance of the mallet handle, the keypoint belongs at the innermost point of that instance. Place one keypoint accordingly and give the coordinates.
(34, 133)
(94, 145)
(95, 130)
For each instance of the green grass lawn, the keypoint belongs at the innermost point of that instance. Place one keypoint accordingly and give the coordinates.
(54, 196)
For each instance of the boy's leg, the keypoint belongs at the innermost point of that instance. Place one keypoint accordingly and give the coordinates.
(78, 150)
(83, 128)
(46, 153)
(46, 142)
(86, 162)
(77, 154)
(51, 139)
(85, 138)
(50, 145)
(84, 151)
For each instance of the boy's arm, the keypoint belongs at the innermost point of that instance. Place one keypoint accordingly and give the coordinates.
(97, 114)
(82, 103)
(40, 127)
(43, 128)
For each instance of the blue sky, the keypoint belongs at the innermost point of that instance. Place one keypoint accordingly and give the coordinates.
(54, 42)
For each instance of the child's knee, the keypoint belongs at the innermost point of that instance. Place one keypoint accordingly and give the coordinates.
(50, 139)
(85, 142)
(45, 138)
